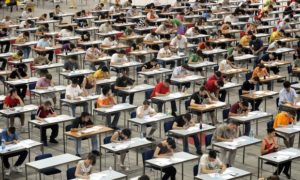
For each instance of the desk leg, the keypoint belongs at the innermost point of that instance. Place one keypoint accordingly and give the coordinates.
(160, 130)
(258, 167)
(265, 104)
(115, 161)
(160, 173)
(64, 138)
(182, 171)
(40, 176)
(244, 155)
(124, 118)
(137, 157)
(29, 152)
(3, 170)
(28, 130)
(100, 151)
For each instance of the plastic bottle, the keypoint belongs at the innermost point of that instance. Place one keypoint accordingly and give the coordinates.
(141, 135)
(251, 135)
(3, 145)
(200, 125)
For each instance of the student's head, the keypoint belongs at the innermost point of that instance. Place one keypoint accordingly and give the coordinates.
(48, 77)
(153, 61)
(121, 53)
(220, 83)
(7, 18)
(29, 10)
(72, 46)
(11, 130)
(13, 92)
(179, 36)
(106, 90)
(290, 113)
(21, 68)
(46, 37)
(185, 66)
(167, 82)
(232, 125)
(273, 55)
(57, 7)
(230, 59)
(104, 69)
(271, 132)
(126, 133)
(133, 7)
(244, 105)
(146, 104)
(199, 52)
(261, 66)
(20, 53)
(287, 85)
(74, 82)
(90, 159)
(69, 28)
(153, 33)
(85, 116)
(171, 143)
(218, 74)
(47, 105)
(187, 117)
(125, 71)
(212, 155)
(166, 45)
(26, 34)
(144, 177)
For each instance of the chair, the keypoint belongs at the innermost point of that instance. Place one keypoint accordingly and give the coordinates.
(133, 115)
(240, 93)
(106, 140)
(248, 76)
(216, 68)
(47, 171)
(147, 155)
(71, 173)
(225, 114)
(290, 72)
(168, 126)
(148, 94)
(195, 170)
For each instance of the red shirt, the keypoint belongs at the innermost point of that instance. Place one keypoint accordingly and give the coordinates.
(214, 77)
(43, 113)
(160, 88)
(11, 102)
(210, 86)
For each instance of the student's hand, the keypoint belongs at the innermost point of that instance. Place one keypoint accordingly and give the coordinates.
(15, 141)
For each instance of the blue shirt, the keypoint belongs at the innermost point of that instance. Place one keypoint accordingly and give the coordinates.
(285, 96)
(256, 44)
(43, 43)
(8, 138)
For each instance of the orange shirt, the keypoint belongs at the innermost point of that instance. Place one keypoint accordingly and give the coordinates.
(258, 72)
(103, 100)
(282, 119)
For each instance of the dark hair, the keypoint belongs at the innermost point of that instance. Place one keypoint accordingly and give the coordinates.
(72, 46)
(105, 90)
(270, 130)
(253, 37)
(47, 103)
(212, 154)
(12, 130)
(84, 114)
(104, 68)
(74, 81)
(233, 122)
(144, 177)
(92, 158)
(185, 66)
(171, 142)
(26, 33)
(167, 81)
(187, 116)
(48, 76)
(230, 58)
(245, 103)
(261, 65)
(165, 44)
(112, 38)
(70, 28)
(20, 52)
(153, 60)
(57, 6)
(220, 83)
(95, 46)
(126, 132)
(256, 79)
(146, 102)
(153, 33)
(218, 74)
(273, 177)
(286, 84)
(11, 91)
(122, 51)
(199, 52)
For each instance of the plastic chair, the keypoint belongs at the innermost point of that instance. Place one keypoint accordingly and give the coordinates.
(48, 171)
(195, 170)
(168, 126)
(225, 114)
(71, 173)
(147, 155)
(248, 75)
(216, 68)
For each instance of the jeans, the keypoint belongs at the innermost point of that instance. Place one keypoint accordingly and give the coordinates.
(283, 166)
(26, 51)
(7, 46)
(73, 108)
(222, 95)
(50, 55)
(255, 104)
(186, 85)
(54, 132)
(160, 105)
(124, 96)
(170, 172)
(22, 156)
(247, 128)
(196, 142)
(269, 86)
(95, 146)
(115, 121)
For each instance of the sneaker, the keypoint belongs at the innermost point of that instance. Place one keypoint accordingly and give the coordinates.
(199, 152)
(17, 169)
(24, 129)
(96, 153)
(150, 139)
(7, 172)
(53, 141)
(78, 155)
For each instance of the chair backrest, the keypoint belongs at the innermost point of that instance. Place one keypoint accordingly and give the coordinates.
(208, 139)
(187, 104)
(277, 102)
(225, 114)
(168, 126)
(106, 140)
(289, 69)
(148, 94)
(195, 170)
(270, 124)
(240, 92)
(71, 173)
(133, 115)
(248, 75)
(148, 154)
(69, 127)
(43, 156)
(216, 67)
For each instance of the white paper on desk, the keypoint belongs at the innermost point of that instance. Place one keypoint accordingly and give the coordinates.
(281, 157)
(233, 143)
(227, 171)
(287, 153)
(52, 119)
(92, 129)
(258, 92)
(269, 93)
(148, 118)
(163, 161)
(175, 95)
(27, 143)
(227, 176)
(193, 128)
(13, 146)
(159, 115)
(98, 176)
(118, 106)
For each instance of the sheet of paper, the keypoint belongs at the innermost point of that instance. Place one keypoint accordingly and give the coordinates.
(287, 153)
(27, 143)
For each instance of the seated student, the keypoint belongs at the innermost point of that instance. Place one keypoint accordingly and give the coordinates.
(165, 149)
(89, 84)
(84, 167)
(163, 89)
(19, 73)
(182, 72)
(12, 100)
(66, 32)
(44, 111)
(150, 38)
(71, 64)
(85, 121)
(249, 86)
(226, 65)
(108, 42)
(102, 73)
(107, 100)
(200, 99)
(283, 119)
(144, 177)
(184, 122)
(163, 30)
(256, 45)
(73, 92)
(151, 16)
(119, 58)
(120, 136)
(268, 58)
(213, 86)
(124, 82)
(6, 44)
(40, 59)
(270, 145)
(179, 43)
(68, 47)
(26, 24)
(45, 83)
(150, 66)
(43, 43)
(224, 133)
(141, 112)
(84, 37)
(261, 72)
(276, 35)
(105, 27)
(210, 163)
(240, 108)
(9, 136)
(21, 39)
(91, 57)
(27, 13)
(166, 52)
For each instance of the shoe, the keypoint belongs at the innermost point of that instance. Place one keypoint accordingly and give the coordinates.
(199, 152)
(17, 169)
(24, 129)
(7, 172)
(78, 155)
(45, 143)
(96, 153)
(53, 141)
(124, 167)
(228, 165)
(150, 139)
(287, 175)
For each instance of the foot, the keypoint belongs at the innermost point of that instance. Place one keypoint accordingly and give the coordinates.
(53, 141)
(96, 153)
(78, 155)
(45, 143)
(199, 152)
(124, 167)
(7, 171)
(287, 175)
(17, 169)
(150, 139)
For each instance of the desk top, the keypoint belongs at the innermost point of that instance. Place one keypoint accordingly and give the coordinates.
(192, 130)
(229, 173)
(126, 145)
(117, 107)
(239, 142)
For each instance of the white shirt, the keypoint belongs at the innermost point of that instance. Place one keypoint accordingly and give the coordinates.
(286, 96)
(224, 64)
(272, 45)
(230, 18)
(178, 71)
(179, 43)
(26, 15)
(90, 52)
(161, 28)
(116, 59)
(112, 9)
(190, 32)
(22, 24)
(163, 52)
(65, 33)
(73, 92)
(104, 28)
(209, 164)
(108, 42)
(141, 110)
(149, 37)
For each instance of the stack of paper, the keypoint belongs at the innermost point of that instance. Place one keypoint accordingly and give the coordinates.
(92, 129)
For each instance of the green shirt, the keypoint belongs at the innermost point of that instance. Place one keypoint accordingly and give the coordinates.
(297, 63)
(176, 22)
(194, 57)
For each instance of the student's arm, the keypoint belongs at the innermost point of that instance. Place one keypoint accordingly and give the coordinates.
(157, 155)
(140, 112)
(175, 126)
(204, 170)
(77, 173)
(114, 137)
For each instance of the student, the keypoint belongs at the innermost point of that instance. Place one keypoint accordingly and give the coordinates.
(45, 83)
(92, 55)
(179, 43)
(213, 86)
(269, 145)
(9, 136)
(74, 92)
(66, 32)
(19, 73)
(240, 108)
(182, 72)
(163, 89)
(102, 73)
(71, 64)
(283, 119)
(224, 133)
(150, 37)
(4, 33)
(44, 111)
(27, 13)
(107, 100)
(165, 149)
(164, 53)
(268, 58)
(142, 112)
(184, 122)
(119, 58)
(261, 72)
(89, 84)
(256, 45)
(150, 66)
(11, 101)
(85, 121)
(105, 27)
(210, 163)
(249, 86)
(84, 167)
(21, 39)
(43, 43)
(120, 136)
(124, 82)
(144, 177)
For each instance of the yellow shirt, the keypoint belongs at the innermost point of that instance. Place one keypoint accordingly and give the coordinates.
(99, 74)
(245, 41)
(275, 35)
(282, 119)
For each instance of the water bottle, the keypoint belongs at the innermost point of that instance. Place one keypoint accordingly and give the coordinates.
(110, 172)
(3, 145)
(142, 135)
(200, 125)
(251, 135)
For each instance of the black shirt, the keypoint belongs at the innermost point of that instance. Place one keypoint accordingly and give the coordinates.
(266, 58)
(78, 122)
(148, 65)
(247, 86)
(163, 149)
(124, 81)
(197, 98)
(17, 74)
